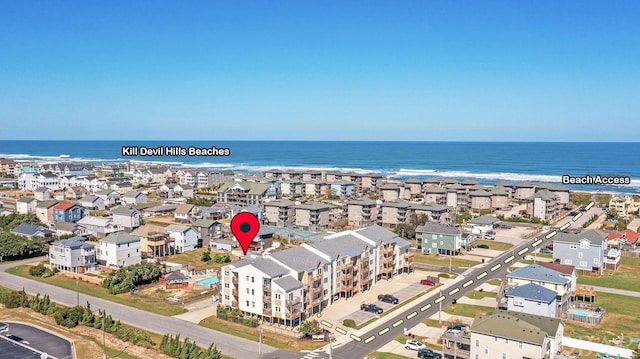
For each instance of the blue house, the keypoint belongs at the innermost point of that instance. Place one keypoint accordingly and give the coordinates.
(532, 299)
(68, 212)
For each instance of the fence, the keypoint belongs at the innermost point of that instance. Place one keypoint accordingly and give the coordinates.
(249, 322)
(584, 313)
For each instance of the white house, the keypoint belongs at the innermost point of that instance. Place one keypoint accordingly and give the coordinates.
(119, 250)
(99, 226)
(26, 205)
(127, 217)
(109, 196)
(92, 202)
(482, 224)
(533, 299)
(184, 238)
(134, 197)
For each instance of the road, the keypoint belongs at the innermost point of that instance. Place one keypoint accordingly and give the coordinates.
(228, 344)
(370, 341)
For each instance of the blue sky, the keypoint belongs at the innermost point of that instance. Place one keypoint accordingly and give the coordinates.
(330, 70)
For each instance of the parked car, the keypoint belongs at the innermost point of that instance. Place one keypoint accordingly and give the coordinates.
(371, 308)
(414, 345)
(490, 236)
(427, 282)
(457, 327)
(546, 251)
(388, 298)
(482, 246)
(428, 353)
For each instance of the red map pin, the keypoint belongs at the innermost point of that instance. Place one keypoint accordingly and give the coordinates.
(244, 227)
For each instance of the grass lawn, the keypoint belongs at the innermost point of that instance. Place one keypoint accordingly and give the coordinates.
(626, 277)
(193, 258)
(380, 355)
(467, 310)
(268, 338)
(476, 294)
(494, 281)
(498, 246)
(621, 317)
(155, 306)
(444, 260)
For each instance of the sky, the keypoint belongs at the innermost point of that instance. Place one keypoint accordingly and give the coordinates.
(320, 70)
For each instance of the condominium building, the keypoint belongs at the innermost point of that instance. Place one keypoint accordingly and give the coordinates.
(291, 285)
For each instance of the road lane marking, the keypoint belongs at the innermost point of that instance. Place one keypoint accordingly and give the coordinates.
(551, 234)
(425, 307)
(326, 324)
(565, 226)
(454, 291)
(480, 276)
(468, 283)
(536, 243)
(341, 331)
(412, 315)
(509, 259)
(439, 300)
(397, 323)
(575, 218)
(383, 331)
(588, 207)
(355, 337)
(366, 341)
(523, 251)
(495, 267)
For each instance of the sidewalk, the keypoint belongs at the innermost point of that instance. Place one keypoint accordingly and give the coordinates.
(596, 347)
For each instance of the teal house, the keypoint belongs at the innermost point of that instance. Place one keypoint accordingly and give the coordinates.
(439, 239)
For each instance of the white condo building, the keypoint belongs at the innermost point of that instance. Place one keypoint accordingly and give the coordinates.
(291, 285)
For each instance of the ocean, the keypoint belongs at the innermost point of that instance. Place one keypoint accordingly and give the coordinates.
(485, 162)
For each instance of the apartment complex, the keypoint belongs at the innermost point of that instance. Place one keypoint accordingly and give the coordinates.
(291, 285)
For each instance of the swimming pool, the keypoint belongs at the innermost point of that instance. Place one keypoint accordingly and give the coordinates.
(207, 281)
(581, 313)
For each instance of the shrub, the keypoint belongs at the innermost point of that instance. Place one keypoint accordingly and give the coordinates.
(349, 323)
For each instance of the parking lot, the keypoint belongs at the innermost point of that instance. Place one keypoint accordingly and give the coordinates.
(11, 350)
(404, 287)
(37, 339)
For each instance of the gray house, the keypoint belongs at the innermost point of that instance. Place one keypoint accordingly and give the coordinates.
(438, 238)
(585, 251)
(72, 255)
(126, 217)
(533, 299)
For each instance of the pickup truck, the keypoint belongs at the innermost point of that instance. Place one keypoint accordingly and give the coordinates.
(371, 308)
(388, 298)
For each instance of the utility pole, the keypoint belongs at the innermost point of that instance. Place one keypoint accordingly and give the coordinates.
(104, 345)
(77, 292)
(260, 348)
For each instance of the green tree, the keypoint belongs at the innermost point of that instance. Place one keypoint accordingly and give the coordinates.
(309, 327)
(206, 256)
(200, 201)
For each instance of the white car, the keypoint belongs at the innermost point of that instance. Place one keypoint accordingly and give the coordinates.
(414, 345)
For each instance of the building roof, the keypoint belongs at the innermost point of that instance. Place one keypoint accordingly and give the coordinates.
(533, 292)
(28, 229)
(413, 180)
(288, 283)
(480, 193)
(484, 220)
(314, 206)
(434, 189)
(73, 243)
(378, 234)
(124, 210)
(280, 203)
(89, 198)
(184, 208)
(469, 182)
(396, 204)
(300, 259)
(525, 185)
(177, 228)
(346, 245)
(269, 267)
(438, 228)
(162, 208)
(536, 272)
(545, 195)
(63, 206)
(47, 204)
(362, 202)
(252, 187)
(203, 223)
(26, 199)
(66, 226)
(565, 269)
(594, 236)
(499, 191)
(629, 235)
(42, 190)
(107, 192)
(132, 194)
(146, 229)
(120, 238)
(523, 327)
(95, 221)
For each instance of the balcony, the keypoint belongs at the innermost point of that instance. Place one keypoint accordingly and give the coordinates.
(266, 311)
(291, 303)
(293, 314)
(234, 292)
(234, 304)
(316, 301)
(316, 290)
(234, 280)
(410, 254)
(317, 278)
(346, 287)
(344, 267)
(266, 288)
(266, 299)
